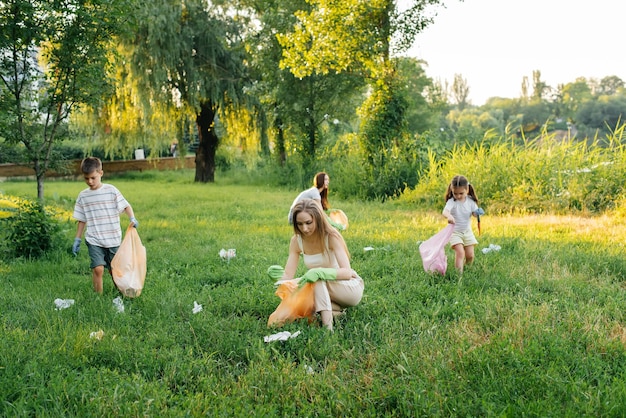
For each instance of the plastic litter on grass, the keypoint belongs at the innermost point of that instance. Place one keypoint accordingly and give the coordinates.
(97, 335)
(228, 254)
(196, 307)
(370, 248)
(280, 336)
(63, 303)
(118, 303)
(492, 247)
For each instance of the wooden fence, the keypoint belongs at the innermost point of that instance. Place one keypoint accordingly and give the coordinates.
(166, 163)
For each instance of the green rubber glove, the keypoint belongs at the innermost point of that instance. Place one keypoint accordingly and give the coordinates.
(318, 273)
(336, 225)
(276, 272)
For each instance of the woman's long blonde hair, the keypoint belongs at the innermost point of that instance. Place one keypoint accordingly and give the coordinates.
(323, 227)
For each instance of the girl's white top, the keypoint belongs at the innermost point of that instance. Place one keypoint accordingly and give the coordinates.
(461, 212)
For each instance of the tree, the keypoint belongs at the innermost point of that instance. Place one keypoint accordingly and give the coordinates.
(298, 107)
(540, 88)
(525, 88)
(610, 85)
(121, 123)
(470, 125)
(53, 57)
(460, 91)
(572, 96)
(359, 36)
(189, 54)
(536, 115)
(603, 114)
(420, 116)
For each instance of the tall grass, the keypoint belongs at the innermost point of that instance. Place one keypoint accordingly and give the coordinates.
(535, 329)
(540, 175)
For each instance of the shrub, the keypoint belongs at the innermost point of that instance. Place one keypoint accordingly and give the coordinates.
(31, 231)
(10, 153)
(345, 167)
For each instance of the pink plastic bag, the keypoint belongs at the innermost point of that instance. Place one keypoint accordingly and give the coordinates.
(433, 250)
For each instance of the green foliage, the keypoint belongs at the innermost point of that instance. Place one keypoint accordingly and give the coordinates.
(354, 38)
(420, 116)
(52, 58)
(350, 35)
(390, 158)
(345, 167)
(29, 232)
(292, 174)
(197, 66)
(347, 42)
(299, 109)
(572, 96)
(11, 153)
(601, 115)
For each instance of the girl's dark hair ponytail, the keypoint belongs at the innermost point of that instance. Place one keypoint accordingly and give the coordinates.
(472, 193)
(460, 181)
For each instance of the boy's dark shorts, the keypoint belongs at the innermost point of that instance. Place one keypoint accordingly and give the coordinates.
(101, 256)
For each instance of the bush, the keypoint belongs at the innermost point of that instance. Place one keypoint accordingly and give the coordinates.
(31, 231)
(10, 153)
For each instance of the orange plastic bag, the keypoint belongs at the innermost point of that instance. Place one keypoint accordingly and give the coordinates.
(339, 217)
(128, 266)
(297, 302)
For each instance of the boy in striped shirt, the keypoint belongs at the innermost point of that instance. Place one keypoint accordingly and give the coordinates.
(97, 211)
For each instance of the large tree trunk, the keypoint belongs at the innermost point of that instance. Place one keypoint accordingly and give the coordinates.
(208, 142)
(280, 141)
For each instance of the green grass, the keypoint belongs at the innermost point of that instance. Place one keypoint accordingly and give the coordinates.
(536, 329)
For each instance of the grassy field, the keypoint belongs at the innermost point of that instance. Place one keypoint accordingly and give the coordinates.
(535, 329)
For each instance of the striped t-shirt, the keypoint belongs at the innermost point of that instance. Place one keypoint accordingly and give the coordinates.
(100, 209)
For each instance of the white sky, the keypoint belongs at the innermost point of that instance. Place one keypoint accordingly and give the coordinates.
(493, 44)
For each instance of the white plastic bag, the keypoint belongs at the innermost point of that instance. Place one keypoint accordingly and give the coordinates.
(433, 251)
(128, 267)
